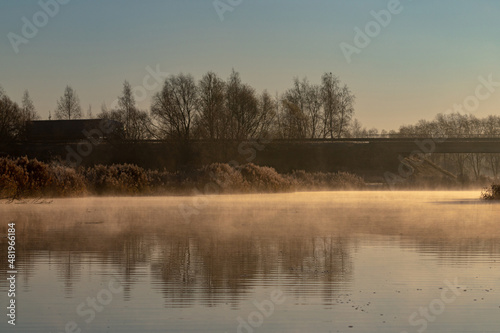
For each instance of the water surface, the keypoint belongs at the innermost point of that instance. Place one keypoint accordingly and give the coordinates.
(300, 262)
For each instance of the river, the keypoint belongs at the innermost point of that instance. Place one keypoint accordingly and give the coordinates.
(297, 262)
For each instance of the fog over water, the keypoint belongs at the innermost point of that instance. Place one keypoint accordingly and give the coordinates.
(341, 261)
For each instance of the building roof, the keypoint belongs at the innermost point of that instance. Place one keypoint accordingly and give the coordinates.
(67, 130)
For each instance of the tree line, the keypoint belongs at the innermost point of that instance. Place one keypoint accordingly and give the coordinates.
(467, 166)
(211, 108)
(217, 109)
(13, 117)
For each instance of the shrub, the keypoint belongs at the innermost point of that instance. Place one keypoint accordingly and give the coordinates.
(491, 193)
(168, 182)
(263, 179)
(66, 181)
(8, 187)
(219, 178)
(23, 177)
(116, 179)
(13, 178)
(326, 180)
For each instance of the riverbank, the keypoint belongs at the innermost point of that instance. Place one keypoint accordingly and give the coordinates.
(24, 178)
(30, 178)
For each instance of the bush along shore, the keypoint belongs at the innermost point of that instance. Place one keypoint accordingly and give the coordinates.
(25, 178)
(491, 193)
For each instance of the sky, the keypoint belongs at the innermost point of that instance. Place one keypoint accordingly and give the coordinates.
(426, 57)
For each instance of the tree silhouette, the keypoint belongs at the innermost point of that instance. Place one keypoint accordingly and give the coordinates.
(28, 108)
(68, 106)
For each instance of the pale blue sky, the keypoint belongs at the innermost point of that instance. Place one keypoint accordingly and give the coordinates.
(428, 58)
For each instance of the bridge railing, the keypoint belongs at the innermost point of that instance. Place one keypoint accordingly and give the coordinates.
(368, 138)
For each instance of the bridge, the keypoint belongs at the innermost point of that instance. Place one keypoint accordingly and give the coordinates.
(487, 145)
(374, 155)
(401, 145)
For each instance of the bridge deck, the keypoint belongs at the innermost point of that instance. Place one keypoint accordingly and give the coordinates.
(397, 145)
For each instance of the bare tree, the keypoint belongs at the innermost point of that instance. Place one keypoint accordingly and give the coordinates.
(475, 127)
(356, 129)
(338, 104)
(247, 114)
(307, 98)
(491, 127)
(297, 94)
(242, 107)
(28, 108)
(268, 112)
(127, 107)
(314, 105)
(90, 115)
(345, 111)
(329, 91)
(212, 120)
(137, 124)
(68, 106)
(174, 108)
(456, 125)
(11, 118)
(294, 122)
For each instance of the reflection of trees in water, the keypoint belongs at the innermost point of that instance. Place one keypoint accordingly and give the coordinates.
(175, 269)
(186, 266)
(324, 260)
(133, 254)
(457, 251)
(65, 247)
(205, 268)
(69, 269)
(210, 265)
